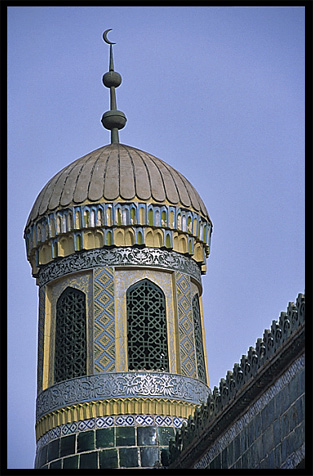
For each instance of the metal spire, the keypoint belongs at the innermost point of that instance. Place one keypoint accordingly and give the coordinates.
(113, 119)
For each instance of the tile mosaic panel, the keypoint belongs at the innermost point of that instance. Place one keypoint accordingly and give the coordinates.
(104, 320)
(41, 330)
(186, 329)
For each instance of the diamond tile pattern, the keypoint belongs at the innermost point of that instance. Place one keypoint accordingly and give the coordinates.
(104, 327)
(186, 330)
(110, 422)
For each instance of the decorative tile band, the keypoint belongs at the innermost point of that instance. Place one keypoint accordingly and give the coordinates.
(109, 422)
(119, 385)
(127, 256)
(104, 217)
(115, 406)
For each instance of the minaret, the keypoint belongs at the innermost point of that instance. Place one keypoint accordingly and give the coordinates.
(117, 242)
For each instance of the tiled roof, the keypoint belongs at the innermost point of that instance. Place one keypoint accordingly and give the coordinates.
(117, 171)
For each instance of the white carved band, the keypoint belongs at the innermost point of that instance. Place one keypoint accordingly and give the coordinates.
(126, 256)
(121, 385)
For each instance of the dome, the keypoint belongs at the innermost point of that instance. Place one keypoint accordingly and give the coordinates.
(116, 172)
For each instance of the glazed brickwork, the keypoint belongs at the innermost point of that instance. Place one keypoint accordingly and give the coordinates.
(270, 434)
(255, 420)
(110, 442)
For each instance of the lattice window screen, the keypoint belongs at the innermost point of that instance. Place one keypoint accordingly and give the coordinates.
(146, 327)
(198, 338)
(70, 335)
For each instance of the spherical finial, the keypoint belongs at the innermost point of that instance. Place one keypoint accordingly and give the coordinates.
(112, 79)
(113, 120)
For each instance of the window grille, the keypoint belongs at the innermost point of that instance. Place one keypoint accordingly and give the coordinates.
(70, 335)
(146, 327)
(198, 338)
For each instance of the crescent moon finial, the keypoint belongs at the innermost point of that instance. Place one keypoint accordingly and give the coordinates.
(105, 37)
(112, 119)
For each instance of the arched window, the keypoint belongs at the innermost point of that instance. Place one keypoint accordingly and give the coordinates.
(70, 335)
(146, 327)
(198, 338)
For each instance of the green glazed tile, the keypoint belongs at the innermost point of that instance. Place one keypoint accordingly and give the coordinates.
(149, 456)
(146, 435)
(105, 437)
(89, 460)
(56, 464)
(54, 449)
(70, 463)
(108, 459)
(165, 434)
(86, 441)
(67, 445)
(128, 457)
(125, 436)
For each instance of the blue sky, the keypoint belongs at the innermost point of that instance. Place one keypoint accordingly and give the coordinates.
(216, 92)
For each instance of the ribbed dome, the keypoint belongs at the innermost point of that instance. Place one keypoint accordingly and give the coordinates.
(114, 172)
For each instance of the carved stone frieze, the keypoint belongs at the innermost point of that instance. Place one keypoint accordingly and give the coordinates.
(121, 384)
(127, 256)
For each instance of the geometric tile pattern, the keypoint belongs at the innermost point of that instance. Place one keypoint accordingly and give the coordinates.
(198, 338)
(41, 329)
(104, 320)
(186, 330)
(109, 422)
